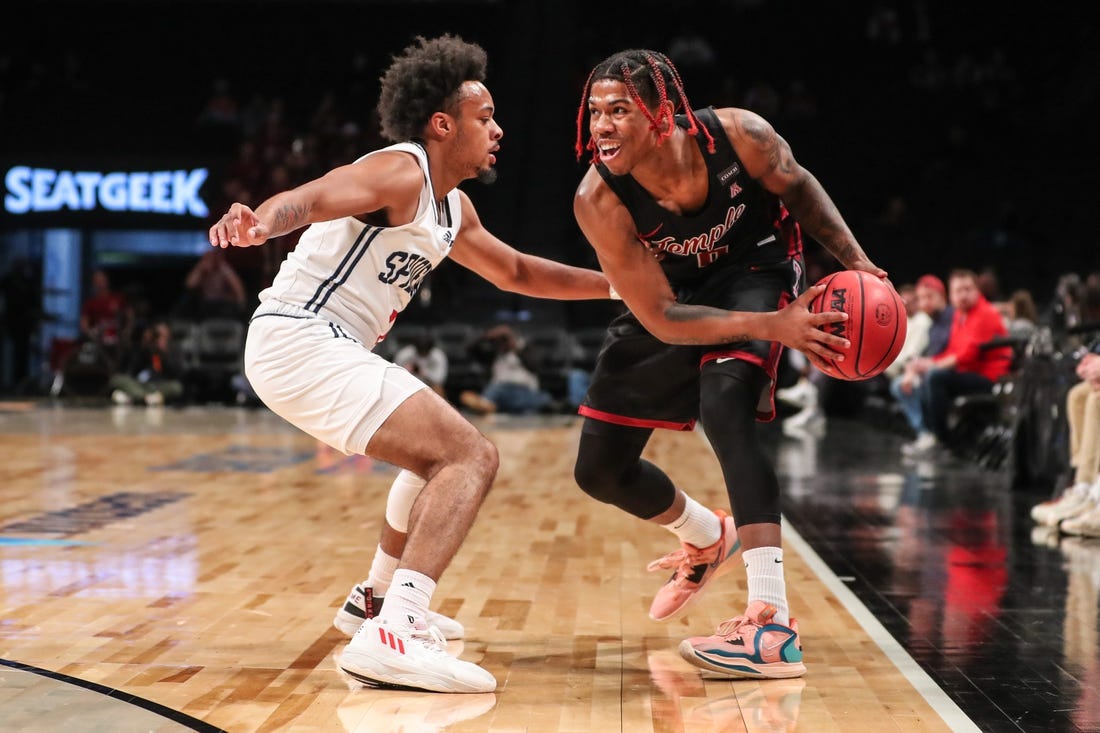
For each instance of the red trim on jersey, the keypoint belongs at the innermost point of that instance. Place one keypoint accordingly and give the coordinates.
(634, 422)
(788, 227)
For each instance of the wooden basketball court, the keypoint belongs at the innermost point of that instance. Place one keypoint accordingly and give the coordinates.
(179, 569)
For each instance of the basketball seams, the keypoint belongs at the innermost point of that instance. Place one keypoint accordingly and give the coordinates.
(895, 347)
(862, 326)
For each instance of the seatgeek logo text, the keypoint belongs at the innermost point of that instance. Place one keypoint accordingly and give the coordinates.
(31, 190)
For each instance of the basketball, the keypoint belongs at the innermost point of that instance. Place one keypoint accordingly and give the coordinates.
(875, 327)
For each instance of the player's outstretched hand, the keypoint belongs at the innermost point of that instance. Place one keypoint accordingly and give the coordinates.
(798, 327)
(239, 228)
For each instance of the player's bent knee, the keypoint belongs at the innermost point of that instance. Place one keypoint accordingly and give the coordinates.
(477, 459)
(598, 480)
(487, 459)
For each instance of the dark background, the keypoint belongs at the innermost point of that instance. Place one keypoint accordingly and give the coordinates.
(949, 134)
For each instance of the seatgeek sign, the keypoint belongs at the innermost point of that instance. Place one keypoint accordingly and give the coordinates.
(32, 190)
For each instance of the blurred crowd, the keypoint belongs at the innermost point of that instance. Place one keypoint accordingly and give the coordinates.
(946, 104)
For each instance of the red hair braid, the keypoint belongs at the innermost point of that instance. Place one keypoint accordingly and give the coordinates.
(579, 146)
(678, 83)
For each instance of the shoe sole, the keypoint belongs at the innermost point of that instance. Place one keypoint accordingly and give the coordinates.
(377, 673)
(744, 669)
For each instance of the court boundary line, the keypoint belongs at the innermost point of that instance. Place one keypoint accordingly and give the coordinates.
(936, 697)
(195, 724)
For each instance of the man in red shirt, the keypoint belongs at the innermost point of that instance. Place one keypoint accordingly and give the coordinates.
(105, 316)
(963, 367)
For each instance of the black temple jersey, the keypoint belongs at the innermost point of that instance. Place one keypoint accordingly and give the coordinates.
(739, 225)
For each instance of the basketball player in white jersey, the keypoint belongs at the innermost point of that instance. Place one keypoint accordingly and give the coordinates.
(377, 228)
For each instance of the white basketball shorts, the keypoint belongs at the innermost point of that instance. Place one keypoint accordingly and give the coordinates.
(315, 376)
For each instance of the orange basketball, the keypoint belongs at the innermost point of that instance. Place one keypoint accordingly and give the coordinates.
(875, 327)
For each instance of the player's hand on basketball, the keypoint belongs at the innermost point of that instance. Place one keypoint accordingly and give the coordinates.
(870, 267)
(801, 329)
(239, 227)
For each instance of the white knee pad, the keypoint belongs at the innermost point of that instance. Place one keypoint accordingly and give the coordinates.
(399, 503)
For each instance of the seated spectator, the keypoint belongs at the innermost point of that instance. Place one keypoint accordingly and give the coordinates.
(152, 374)
(213, 288)
(1020, 315)
(1064, 310)
(1077, 510)
(513, 384)
(916, 333)
(426, 361)
(805, 394)
(964, 367)
(931, 302)
(106, 317)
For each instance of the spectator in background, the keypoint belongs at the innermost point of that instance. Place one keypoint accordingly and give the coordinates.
(963, 367)
(805, 394)
(1077, 510)
(1064, 310)
(214, 289)
(989, 285)
(931, 302)
(513, 384)
(916, 333)
(106, 317)
(153, 372)
(425, 360)
(1021, 317)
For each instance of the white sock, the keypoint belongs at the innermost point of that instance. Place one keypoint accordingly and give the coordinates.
(697, 526)
(381, 572)
(408, 598)
(764, 567)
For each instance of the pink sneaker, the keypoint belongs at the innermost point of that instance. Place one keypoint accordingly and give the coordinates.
(694, 568)
(749, 646)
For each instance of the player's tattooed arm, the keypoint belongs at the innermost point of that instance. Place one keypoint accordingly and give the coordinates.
(768, 159)
(681, 313)
(819, 217)
(288, 217)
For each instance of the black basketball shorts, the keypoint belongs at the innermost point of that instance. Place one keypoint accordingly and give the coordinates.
(643, 382)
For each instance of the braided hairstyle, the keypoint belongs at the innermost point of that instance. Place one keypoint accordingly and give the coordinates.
(648, 76)
(424, 79)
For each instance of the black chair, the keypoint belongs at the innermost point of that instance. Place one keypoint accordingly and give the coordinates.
(982, 424)
(220, 357)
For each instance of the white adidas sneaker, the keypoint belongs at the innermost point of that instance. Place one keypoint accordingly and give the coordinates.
(362, 604)
(413, 657)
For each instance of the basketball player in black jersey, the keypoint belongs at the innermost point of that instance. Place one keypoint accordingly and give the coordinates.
(695, 218)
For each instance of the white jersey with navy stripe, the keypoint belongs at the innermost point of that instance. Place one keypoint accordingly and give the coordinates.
(361, 276)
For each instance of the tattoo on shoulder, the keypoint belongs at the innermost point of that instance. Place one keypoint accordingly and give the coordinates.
(757, 130)
(768, 140)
